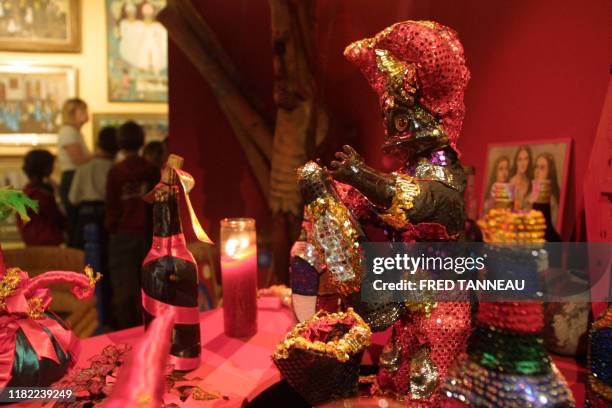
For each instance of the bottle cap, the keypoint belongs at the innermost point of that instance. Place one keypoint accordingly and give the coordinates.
(173, 162)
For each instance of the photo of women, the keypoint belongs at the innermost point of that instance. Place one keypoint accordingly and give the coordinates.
(523, 164)
(546, 169)
(521, 175)
(500, 174)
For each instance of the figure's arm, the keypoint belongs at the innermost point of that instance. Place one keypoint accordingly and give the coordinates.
(350, 168)
(76, 153)
(400, 198)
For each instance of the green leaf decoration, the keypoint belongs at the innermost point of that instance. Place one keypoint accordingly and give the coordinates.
(16, 201)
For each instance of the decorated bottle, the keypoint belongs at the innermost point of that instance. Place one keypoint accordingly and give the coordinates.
(507, 364)
(169, 272)
(599, 388)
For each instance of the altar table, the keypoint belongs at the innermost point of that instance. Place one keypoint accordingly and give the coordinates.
(241, 369)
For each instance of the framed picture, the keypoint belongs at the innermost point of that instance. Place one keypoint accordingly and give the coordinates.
(31, 99)
(137, 51)
(519, 163)
(155, 125)
(40, 25)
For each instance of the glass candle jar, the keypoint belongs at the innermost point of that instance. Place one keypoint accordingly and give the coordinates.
(239, 276)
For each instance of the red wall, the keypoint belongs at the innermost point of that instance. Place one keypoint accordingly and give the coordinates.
(539, 71)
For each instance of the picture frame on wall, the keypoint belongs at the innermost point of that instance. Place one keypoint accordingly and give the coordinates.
(40, 26)
(518, 163)
(137, 51)
(31, 99)
(155, 125)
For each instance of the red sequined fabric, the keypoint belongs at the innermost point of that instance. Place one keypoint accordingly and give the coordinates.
(444, 333)
(521, 317)
(357, 203)
(442, 74)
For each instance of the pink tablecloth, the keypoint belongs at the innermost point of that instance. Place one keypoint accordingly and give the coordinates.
(238, 368)
(242, 368)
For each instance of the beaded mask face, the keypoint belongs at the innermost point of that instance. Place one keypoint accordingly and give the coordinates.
(418, 70)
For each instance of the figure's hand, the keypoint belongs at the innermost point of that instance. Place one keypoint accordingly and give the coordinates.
(347, 166)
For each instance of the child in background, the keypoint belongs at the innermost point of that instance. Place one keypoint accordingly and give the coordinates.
(129, 223)
(155, 153)
(88, 189)
(87, 194)
(45, 226)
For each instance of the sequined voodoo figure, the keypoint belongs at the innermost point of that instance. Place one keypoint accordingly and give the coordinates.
(418, 70)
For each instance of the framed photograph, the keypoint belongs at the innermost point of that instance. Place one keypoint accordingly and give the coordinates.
(40, 25)
(519, 163)
(31, 99)
(155, 124)
(137, 53)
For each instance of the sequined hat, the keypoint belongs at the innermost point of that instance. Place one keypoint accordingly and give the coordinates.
(418, 62)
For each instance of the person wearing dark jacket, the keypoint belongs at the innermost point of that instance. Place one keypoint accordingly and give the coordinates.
(129, 223)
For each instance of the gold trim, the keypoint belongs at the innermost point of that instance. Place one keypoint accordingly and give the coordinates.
(600, 388)
(8, 285)
(406, 190)
(93, 276)
(401, 77)
(35, 304)
(355, 340)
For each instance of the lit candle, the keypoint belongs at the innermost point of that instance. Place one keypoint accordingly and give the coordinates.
(239, 276)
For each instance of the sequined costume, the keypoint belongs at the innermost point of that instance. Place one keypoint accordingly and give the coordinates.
(418, 70)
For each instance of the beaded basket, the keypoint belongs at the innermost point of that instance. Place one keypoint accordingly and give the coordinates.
(320, 357)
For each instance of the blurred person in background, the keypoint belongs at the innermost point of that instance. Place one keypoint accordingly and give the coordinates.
(71, 153)
(88, 189)
(87, 194)
(155, 153)
(46, 225)
(129, 223)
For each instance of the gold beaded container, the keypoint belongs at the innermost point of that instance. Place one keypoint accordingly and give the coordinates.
(320, 357)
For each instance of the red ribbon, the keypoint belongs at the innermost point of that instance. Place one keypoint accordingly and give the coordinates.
(183, 314)
(174, 245)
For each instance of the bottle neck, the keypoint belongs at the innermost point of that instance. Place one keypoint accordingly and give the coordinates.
(166, 215)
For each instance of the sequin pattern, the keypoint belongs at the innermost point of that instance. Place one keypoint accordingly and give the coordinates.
(335, 234)
(406, 190)
(506, 364)
(600, 361)
(442, 74)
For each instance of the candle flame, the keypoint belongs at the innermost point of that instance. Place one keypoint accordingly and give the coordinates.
(238, 248)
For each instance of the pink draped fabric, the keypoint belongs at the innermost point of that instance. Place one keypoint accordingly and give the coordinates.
(142, 380)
